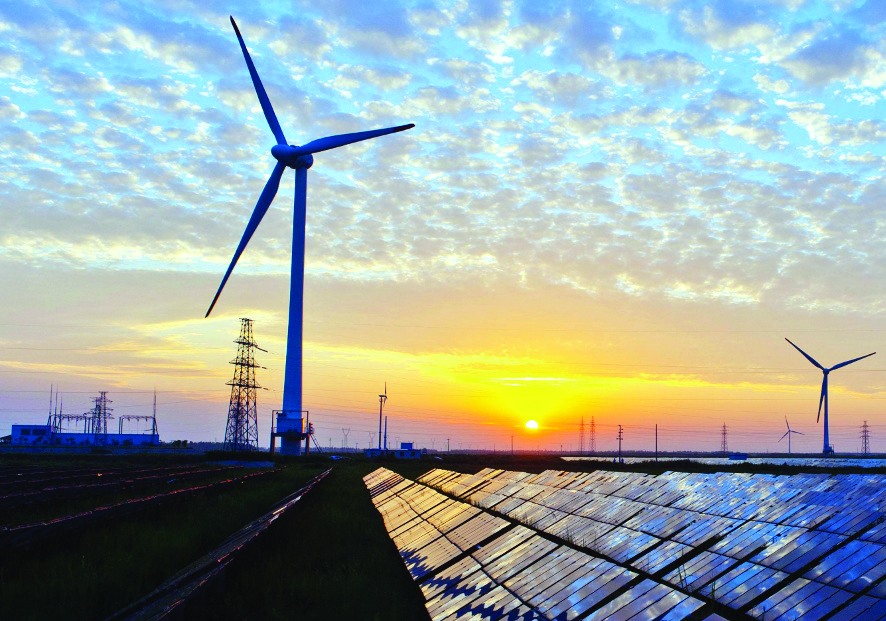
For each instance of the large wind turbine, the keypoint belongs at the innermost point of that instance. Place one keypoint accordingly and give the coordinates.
(789, 431)
(289, 419)
(828, 449)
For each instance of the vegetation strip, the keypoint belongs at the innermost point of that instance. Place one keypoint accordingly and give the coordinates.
(28, 533)
(182, 586)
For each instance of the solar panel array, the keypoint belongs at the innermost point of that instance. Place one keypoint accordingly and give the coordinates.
(804, 547)
(471, 564)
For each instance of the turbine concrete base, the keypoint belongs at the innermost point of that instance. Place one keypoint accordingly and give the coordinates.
(291, 431)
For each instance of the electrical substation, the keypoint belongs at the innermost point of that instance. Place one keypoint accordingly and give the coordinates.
(87, 429)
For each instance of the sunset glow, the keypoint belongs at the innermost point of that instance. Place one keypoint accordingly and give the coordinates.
(610, 215)
(531, 424)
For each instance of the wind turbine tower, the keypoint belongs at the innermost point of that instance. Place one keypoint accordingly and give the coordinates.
(823, 399)
(290, 420)
(788, 434)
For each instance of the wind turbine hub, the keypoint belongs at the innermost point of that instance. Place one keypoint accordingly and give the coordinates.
(292, 156)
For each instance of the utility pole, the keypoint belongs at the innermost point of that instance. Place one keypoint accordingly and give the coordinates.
(865, 439)
(581, 437)
(593, 447)
(512, 444)
(381, 404)
(154, 430)
(656, 441)
(447, 445)
(620, 437)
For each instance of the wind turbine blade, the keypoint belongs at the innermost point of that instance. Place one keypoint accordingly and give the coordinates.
(843, 364)
(824, 395)
(340, 140)
(260, 90)
(808, 357)
(784, 436)
(800, 432)
(787, 423)
(261, 207)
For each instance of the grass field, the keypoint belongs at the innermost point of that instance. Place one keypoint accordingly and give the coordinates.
(330, 558)
(91, 572)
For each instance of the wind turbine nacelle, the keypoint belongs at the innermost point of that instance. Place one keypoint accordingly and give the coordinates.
(292, 156)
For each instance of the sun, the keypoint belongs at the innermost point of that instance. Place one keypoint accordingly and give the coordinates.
(531, 424)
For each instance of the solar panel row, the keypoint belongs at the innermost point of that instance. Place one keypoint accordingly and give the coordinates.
(473, 565)
(783, 547)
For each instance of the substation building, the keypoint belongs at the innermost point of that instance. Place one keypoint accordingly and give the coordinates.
(406, 451)
(87, 429)
(44, 435)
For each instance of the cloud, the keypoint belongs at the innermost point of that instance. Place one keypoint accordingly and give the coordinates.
(383, 30)
(463, 71)
(8, 110)
(837, 56)
(10, 64)
(823, 130)
(655, 70)
(563, 88)
(733, 103)
(382, 78)
(769, 85)
(301, 37)
(727, 24)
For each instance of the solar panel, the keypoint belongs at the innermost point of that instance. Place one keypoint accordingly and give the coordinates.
(639, 546)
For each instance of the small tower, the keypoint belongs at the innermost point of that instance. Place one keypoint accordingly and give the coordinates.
(241, 433)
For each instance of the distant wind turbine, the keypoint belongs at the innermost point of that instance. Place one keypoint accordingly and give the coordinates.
(789, 431)
(289, 420)
(824, 390)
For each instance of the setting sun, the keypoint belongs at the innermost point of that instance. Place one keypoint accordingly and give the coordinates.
(531, 424)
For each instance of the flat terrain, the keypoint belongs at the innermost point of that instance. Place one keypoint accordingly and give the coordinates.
(327, 558)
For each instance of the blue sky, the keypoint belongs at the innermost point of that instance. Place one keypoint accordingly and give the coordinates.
(645, 194)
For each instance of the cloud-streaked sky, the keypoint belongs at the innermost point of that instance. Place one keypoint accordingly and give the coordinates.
(609, 209)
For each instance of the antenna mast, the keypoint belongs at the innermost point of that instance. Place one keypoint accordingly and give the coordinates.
(724, 447)
(593, 444)
(241, 433)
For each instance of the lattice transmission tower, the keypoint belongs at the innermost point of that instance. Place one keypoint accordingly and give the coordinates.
(865, 439)
(592, 446)
(100, 414)
(581, 437)
(241, 433)
(724, 446)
